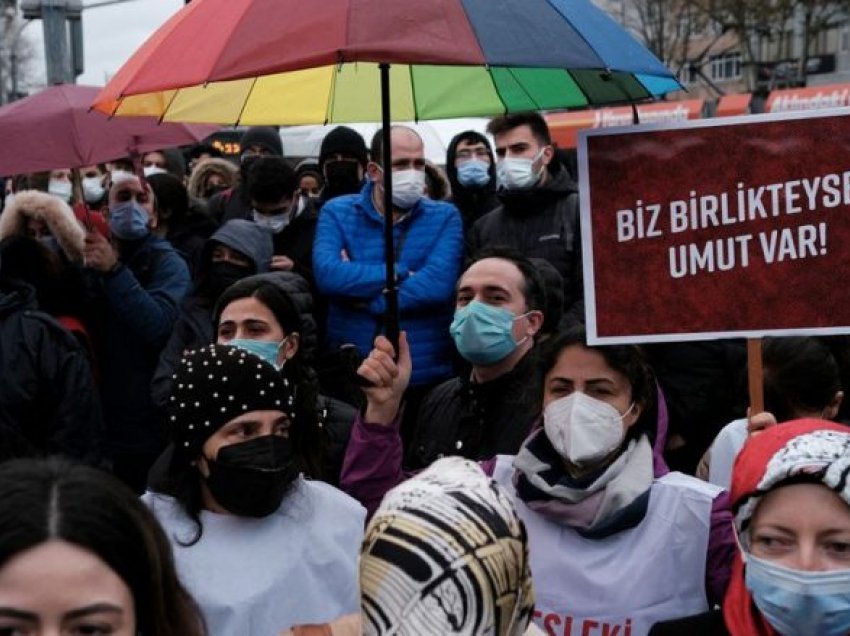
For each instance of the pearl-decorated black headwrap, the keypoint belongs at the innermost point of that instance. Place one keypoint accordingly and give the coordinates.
(217, 383)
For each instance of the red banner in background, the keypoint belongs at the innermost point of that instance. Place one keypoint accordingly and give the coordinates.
(731, 105)
(732, 227)
(810, 98)
(564, 127)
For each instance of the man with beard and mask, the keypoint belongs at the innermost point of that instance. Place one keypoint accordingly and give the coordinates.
(471, 169)
(234, 203)
(539, 211)
(238, 249)
(348, 261)
(342, 161)
(258, 546)
(500, 302)
(136, 284)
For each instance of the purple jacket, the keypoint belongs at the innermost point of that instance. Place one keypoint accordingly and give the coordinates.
(372, 466)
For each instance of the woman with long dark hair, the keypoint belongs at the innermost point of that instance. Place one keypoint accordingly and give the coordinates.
(81, 554)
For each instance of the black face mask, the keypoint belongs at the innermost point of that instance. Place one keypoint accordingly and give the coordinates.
(223, 274)
(342, 177)
(250, 479)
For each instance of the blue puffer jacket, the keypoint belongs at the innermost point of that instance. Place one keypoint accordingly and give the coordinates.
(429, 245)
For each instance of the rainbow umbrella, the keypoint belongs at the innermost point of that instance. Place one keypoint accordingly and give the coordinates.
(306, 62)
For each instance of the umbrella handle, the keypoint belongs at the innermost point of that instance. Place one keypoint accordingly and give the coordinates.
(391, 318)
(77, 186)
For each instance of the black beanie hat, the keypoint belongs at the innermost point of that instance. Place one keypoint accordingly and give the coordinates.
(175, 162)
(217, 383)
(345, 141)
(264, 136)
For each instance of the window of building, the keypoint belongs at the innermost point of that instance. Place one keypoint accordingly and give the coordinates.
(688, 74)
(845, 39)
(725, 67)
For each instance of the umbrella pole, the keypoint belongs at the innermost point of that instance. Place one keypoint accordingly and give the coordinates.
(391, 320)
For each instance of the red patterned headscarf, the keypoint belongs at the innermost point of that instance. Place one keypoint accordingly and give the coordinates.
(802, 448)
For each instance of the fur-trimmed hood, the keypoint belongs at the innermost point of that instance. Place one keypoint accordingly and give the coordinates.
(210, 166)
(60, 219)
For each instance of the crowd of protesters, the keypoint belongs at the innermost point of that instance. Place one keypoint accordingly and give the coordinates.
(204, 430)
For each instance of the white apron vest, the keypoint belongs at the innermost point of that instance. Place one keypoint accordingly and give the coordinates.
(258, 577)
(623, 584)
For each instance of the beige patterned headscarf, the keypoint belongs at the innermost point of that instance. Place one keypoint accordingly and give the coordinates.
(446, 553)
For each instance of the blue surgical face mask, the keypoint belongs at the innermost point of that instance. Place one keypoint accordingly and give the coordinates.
(483, 334)
(473, 173)
(128, 220)
(800, 603)
(266, 349)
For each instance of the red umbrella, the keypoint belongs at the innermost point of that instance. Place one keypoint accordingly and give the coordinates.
(56, 128)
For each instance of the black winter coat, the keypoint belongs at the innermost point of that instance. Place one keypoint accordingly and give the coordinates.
(477, 421)
(296, 242)
(232, 203)
(541, 222)
(705, 389)
(48, 402)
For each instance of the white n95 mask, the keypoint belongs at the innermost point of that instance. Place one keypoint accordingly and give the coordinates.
(582, 429)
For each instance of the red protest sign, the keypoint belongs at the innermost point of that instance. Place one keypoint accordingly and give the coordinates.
(723, 228)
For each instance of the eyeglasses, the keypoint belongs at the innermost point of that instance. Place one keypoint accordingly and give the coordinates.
(469, 153)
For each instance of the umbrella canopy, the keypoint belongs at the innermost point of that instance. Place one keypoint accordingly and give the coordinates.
(307, 62)
(302, 62)
(56, 129)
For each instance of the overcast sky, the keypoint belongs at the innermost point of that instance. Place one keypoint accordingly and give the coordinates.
(111, 34)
